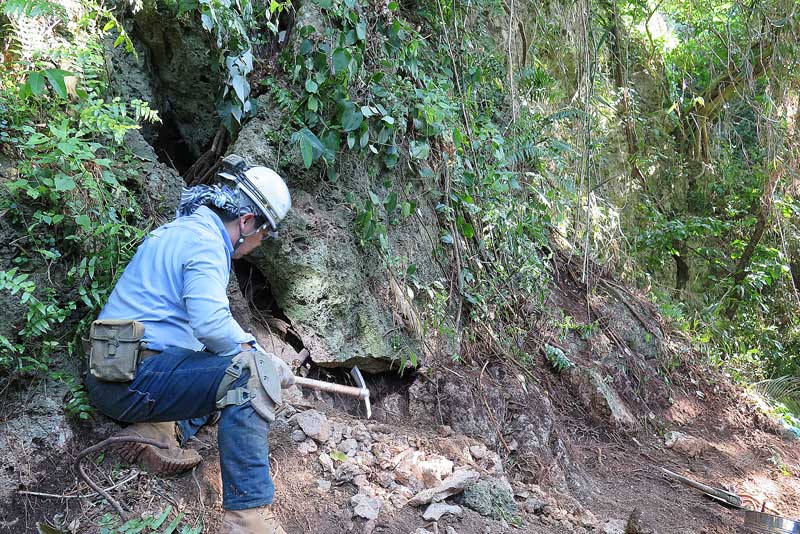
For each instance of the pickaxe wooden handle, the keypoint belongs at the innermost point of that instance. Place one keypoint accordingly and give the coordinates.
(359, 392)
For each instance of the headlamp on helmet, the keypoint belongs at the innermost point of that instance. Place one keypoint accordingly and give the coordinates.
(260, 187)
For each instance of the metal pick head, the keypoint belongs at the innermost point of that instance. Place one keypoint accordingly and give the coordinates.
(359, 380)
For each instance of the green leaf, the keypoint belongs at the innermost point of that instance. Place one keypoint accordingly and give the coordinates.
(391, 157)
(405, 211)
(36, 83)
(393, 6)
(241, 87)
(64, 183)
(56, 79)
(366, 111)
(83, 221)
(307, 150)
(36, 139)
(341, 59)
(338, 455)
(351, 118)
(447, 239)
(420, 150)
(391, 202)
(361, 30)
(458, 139)
(466, 229)
(324, 4)
(311, 86)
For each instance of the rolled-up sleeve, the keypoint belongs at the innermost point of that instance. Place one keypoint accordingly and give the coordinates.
(205, 280)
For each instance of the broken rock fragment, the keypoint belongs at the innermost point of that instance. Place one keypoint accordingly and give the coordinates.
(366, 507)
(307, 447)
(455, 483)
(686, 445)
(433, 470)
(314, 425)
(436, 510)
(491, 498)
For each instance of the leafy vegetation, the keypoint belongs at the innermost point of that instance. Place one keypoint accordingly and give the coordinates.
(67, 197)
(639, 136)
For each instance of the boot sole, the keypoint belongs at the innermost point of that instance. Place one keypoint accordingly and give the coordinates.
(152, 460)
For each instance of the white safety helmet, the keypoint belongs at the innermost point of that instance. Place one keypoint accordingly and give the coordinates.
(262, 187)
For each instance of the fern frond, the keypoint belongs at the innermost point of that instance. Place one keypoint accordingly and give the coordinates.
(784, 390)
(33, 8)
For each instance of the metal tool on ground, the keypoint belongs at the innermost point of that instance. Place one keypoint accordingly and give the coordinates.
(719, 494)
(770, 524)
(360, 391)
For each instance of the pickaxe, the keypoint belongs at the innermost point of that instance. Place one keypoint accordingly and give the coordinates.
(360, 392)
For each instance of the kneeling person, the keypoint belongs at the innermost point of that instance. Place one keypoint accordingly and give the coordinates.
(198, 359)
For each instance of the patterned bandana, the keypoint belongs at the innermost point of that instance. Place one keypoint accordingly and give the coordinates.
(221, 197)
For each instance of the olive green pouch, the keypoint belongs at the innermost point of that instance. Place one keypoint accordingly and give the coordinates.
(115, 345)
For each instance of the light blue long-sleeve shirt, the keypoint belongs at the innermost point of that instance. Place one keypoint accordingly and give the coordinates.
(176, 285)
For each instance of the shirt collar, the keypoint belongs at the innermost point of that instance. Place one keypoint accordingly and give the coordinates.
(206, 213)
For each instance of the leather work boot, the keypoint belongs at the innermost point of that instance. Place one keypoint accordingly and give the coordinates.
(157, 461)
(250, 521)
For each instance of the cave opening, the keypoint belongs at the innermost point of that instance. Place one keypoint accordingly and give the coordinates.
(170, 146)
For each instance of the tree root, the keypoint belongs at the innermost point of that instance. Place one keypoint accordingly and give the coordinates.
(103, 444)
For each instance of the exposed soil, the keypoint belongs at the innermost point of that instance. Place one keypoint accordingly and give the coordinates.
(572, 466)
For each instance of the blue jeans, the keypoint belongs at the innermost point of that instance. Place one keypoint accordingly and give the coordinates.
(181, 384)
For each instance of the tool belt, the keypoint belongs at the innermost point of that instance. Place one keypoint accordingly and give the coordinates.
(115, 349)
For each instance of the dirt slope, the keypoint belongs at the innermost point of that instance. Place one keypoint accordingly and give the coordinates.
(554, 448)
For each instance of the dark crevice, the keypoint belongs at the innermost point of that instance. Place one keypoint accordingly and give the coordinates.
(170, 146)
(388, 391)
(258, 294)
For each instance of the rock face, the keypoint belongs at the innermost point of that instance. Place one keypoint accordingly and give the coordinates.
(173, 70)
(38, 430)
(336, 291)
(596, 394)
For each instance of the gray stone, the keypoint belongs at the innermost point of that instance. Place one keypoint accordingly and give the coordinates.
(613, 526)
(366, 507)
(38, 430)
(455, 483)
(326, 462)
(347, 471)
(307, 447)
(324, 485)
(314, 424)
(298, 436)
(348, 446)
(436, 510)
(478, 451)
(686, 445)
(491, 498)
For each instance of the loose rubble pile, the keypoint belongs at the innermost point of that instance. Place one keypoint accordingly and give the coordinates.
(441, 477)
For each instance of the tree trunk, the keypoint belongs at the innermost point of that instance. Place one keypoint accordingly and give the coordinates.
(762, 217)
(681, 267)
(624, 106)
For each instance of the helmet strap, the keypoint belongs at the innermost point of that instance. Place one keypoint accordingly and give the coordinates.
(243, 236)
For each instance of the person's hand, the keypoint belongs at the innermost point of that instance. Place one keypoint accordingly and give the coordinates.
(284, 371)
